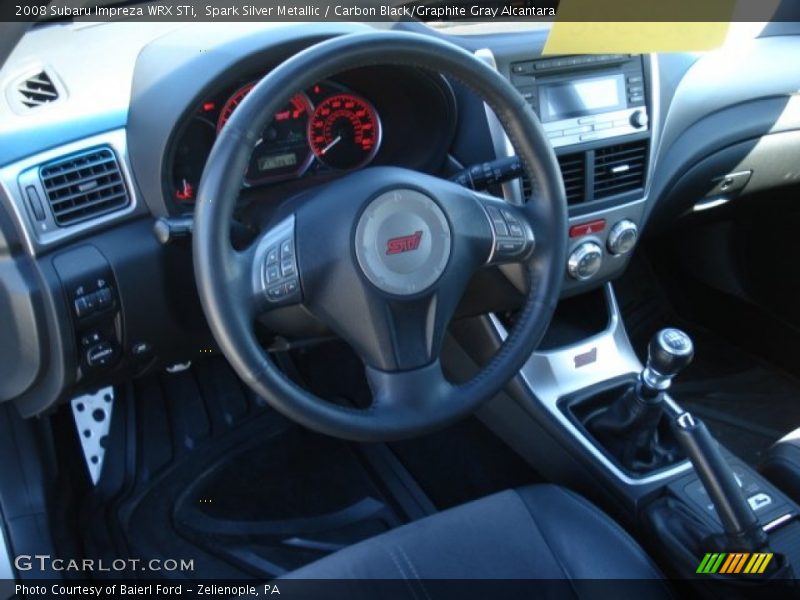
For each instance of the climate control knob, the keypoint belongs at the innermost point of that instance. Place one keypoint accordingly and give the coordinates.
(585, 261)
(622, 237)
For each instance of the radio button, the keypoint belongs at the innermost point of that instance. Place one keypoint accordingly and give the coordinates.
(589, 137)
(555, 134)
(576, 130)
(604, 125)
(585, 120)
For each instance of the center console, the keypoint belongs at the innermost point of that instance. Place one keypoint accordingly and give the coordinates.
(589, 415)
(584, 410)
(601, 115)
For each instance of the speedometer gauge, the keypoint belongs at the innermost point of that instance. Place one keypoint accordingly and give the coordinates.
(344, 132)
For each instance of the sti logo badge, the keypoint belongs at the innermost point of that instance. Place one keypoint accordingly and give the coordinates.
(405, 243)
(735, 563)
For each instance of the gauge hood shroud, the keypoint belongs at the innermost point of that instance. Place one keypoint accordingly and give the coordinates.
(166, 90)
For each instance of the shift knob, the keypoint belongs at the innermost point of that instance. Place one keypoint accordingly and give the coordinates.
(670, 351)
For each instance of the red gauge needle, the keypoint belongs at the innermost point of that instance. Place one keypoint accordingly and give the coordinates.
(331, 145)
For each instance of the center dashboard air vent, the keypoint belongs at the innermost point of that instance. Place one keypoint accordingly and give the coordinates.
(84, 185)
(619, 168)
(573, 170)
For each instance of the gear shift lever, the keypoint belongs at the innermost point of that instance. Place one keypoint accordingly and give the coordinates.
(670, 351)
(629, 429)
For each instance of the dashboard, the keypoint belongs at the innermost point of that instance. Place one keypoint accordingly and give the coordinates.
(640, 140)
(368, 116)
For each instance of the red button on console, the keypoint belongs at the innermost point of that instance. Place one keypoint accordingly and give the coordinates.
(587, 228)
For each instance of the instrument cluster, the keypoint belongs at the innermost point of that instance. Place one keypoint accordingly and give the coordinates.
(327, 127)
(369, 116)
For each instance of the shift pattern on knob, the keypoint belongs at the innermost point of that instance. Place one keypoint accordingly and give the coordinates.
(670, 351)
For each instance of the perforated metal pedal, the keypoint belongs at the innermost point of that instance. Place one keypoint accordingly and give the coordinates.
(92, 414)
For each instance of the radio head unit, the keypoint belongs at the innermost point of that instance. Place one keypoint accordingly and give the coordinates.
(585, 98)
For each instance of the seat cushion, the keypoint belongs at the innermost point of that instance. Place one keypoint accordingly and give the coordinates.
(537, 532)
(781, 464)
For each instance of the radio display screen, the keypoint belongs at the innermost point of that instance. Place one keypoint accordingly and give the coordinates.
(582, 97)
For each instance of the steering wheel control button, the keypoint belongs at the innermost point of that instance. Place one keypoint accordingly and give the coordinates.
(273, 274)
(510, 218)
(515, 230)
(585, 261)
(622, 237)
(498, 222)
(508, 247)
(272, 256)
(276, 278)
(403, 242)
(287, 268)
(280, 278)
(509, 234)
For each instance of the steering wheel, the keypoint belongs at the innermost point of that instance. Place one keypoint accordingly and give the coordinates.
(381, 255)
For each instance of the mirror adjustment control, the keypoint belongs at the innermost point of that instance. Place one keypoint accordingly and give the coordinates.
(585, 261)
(101, 354)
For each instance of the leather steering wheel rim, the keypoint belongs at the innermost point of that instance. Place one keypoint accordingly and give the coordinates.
(404, 405)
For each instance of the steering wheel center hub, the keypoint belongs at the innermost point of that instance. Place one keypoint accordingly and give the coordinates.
(403, 241)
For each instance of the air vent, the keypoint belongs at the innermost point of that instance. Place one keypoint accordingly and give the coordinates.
(527, 188)
(573, 170)
(619, 168)
(84, 185)
(37, 90)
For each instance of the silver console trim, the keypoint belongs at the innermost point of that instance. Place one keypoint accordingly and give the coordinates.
(40, 234)
(503, 148)
(655, 122)
(551, 375)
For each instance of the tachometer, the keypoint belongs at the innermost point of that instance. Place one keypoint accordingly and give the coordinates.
(282, 151)
(344, 132)
(232, 102)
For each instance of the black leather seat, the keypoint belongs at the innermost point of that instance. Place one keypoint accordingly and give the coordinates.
(537, 532)
(781, 464)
